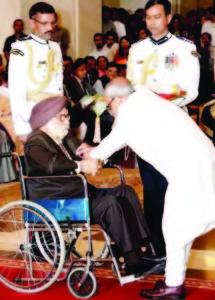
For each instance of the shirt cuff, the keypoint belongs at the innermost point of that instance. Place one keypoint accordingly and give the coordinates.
(78, 169)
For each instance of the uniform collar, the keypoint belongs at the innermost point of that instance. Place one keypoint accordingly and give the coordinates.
(162, 40)
(38, 39)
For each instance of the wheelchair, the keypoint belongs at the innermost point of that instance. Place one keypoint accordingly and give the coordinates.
(41, 240)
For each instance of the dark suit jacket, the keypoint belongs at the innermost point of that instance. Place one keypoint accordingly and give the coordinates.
(43, 157)
(75, 90)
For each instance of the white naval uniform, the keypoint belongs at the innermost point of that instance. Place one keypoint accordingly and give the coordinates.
(164, 64)
(35, 73)
(166, 137)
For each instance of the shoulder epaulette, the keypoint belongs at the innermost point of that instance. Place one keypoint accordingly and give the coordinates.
(26, 38)
(184, 39)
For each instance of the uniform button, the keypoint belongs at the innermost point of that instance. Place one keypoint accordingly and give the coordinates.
(154, 80)
(59, 89)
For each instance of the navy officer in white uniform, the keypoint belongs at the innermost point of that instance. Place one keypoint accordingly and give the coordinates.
(166, 64)
(35, 71)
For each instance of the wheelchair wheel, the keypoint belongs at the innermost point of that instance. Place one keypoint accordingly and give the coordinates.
(21, 269)
(44, 245)
(88, 287)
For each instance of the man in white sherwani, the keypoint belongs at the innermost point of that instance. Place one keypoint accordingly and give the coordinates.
(165, 136)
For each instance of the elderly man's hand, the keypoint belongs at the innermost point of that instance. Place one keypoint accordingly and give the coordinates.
(90, 166)
(84, 151)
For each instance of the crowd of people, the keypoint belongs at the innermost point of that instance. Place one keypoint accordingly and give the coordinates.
(108, 59)
(163, 57)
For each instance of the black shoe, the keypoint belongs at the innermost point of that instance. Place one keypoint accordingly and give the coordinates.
(162, 291)
(152, 257)
(145, 267)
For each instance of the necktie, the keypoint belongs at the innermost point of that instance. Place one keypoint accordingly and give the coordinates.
(84, 87)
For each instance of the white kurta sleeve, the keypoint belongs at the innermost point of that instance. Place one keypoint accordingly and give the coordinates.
(18, 89)
(116, 140)
(189, 75)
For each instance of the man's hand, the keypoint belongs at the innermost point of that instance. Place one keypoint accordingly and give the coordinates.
(84, 151)
(89, 166)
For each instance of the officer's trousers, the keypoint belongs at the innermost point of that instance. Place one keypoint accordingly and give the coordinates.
(154, 189)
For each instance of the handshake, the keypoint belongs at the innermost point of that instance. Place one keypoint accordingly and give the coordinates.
(88, 165)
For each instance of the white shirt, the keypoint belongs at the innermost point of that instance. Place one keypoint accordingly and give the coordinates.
(35, 73)
(111, 51)
(103, 52)
(120, 28)
(165, 65)
(165, 136)
(209, 27)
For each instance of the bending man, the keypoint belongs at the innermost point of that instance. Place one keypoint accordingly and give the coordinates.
(165, 136)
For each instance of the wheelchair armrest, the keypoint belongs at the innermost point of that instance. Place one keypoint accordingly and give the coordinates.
(81, 176)
(110, 165)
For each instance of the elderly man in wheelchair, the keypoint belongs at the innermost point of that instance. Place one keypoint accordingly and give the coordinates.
(50, 151)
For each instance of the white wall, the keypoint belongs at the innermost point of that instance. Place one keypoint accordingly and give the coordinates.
(63, 7)
(9, 11)
(132, 5)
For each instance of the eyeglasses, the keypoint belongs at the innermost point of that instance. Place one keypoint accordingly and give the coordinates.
(108, 106)
(62, 117)
(45, 23)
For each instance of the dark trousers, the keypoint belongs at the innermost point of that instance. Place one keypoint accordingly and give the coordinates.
(154, 189)
(119, 213)
(87, 116)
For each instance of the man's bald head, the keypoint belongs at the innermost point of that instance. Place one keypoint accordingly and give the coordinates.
(118, 87)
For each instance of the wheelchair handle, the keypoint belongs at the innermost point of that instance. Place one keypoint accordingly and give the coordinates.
(110, 165)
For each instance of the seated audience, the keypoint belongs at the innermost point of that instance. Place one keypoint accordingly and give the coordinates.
(120, 27)
(139, 14)
(122, 70)
(111, 44)
(77, 87)
(176, 25)
(111, 73)
(208, 27)
(143, 32)
(99, 49)
(206, 83)
(7, 168)
(132, 29)
(123, 15)
(107, 24)
(192, 22)
(101, 63)
(67, 72)
(117, 210)
(92, 72)
(122, 52)
(18, 27)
